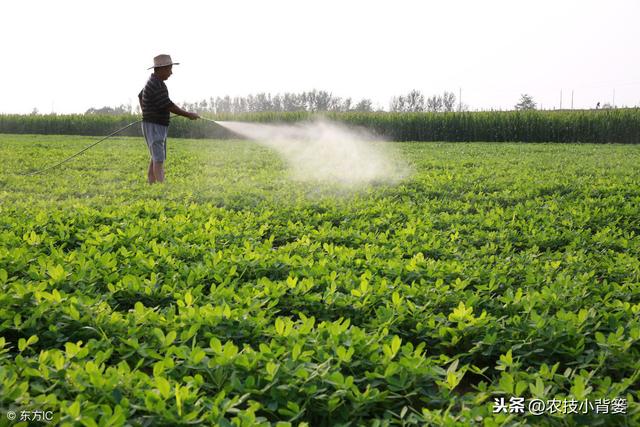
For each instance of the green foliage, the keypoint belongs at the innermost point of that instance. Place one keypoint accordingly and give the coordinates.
(585, 126)
(232, 295)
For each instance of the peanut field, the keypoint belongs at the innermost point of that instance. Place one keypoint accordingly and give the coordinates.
(234, 295)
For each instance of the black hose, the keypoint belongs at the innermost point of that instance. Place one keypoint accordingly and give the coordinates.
(91, 146)
(81, 151)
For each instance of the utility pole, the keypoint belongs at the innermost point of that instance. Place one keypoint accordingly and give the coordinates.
(613, 101)
(572, 99)
(561, 99)
(460, 101)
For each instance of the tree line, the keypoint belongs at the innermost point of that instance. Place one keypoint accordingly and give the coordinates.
(323, 101)
(319, 101)
(415, 102)
(311, 102)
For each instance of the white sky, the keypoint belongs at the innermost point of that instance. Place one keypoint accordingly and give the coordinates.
(68, 56)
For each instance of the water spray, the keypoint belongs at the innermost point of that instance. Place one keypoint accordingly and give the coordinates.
(315, 151)
(327, 151)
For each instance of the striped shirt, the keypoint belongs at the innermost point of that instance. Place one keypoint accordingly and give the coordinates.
(155, 102)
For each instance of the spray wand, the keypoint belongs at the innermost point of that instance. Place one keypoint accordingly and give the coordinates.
(209, 120)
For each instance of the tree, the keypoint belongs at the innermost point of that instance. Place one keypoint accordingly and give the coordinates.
(412, 102)
(434, 104)
(120, 109)
(239, 105)
(448, 101)
(276, 103)
(320, 100)
(293, 102)
(397, 104)
(415, 101)
(526, 103)
(364, 105)
(346, 105)
(223, 105)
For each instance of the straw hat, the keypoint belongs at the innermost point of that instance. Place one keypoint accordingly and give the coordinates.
(162, 61)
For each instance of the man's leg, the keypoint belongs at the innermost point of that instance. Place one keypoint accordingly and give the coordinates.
(150, 175)
(158, 171)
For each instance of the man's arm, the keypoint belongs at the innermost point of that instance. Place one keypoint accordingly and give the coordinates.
(179, 111)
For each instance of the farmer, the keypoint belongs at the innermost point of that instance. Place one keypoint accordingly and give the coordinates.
(156, 106)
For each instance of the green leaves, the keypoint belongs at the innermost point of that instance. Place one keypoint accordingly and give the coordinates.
(505, 362)
(23, 344)
(165, 340)
(188, 299)
(74, 410)
(164, 387)
(345, 355)
(283, 326)
(390, 350)
(362, 290)
(236, 296)
(272, 370)
(463, 316)
(579, 389)
(453, 376)
(56, 272)
(461, 313)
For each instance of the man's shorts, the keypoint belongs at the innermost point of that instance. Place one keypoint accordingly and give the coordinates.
(156, 137)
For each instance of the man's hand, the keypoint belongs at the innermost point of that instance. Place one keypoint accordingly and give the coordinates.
(180, 112)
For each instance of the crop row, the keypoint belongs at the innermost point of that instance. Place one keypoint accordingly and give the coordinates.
(603, 126)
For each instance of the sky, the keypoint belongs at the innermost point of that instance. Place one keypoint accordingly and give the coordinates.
(66, 56)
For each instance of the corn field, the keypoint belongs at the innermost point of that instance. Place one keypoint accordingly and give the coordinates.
(588, 126)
